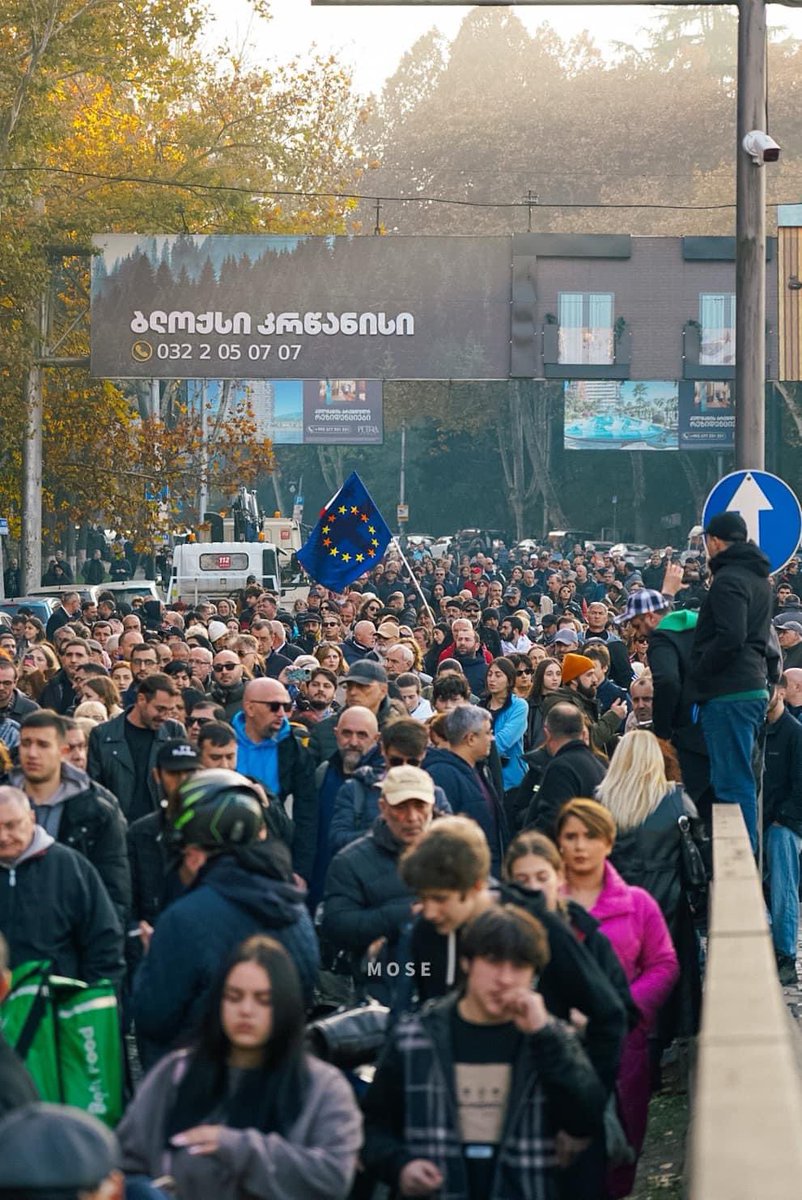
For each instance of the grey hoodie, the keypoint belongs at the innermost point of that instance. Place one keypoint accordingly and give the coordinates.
(40, 842)
(48, 812)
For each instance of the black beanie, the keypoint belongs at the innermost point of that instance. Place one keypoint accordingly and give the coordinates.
(728, 526)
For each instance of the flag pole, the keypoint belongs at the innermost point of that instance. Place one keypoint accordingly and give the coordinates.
(413, 578)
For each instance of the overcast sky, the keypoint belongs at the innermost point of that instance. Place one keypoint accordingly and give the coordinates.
(371, 40)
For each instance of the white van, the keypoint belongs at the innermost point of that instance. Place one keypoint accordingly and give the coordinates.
(221, 569)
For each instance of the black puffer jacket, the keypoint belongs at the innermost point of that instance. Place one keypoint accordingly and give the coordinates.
(93, 824)
(365, 898)
(732, 635)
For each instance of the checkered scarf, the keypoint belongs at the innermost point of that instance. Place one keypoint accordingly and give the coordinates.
(526, 1153)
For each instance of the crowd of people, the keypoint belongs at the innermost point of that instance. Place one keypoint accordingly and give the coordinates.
(476, 792)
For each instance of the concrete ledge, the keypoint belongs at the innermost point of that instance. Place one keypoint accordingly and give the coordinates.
(745, 1141)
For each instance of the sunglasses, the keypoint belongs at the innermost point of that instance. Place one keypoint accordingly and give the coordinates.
(524, 671)
(225, 666)
(398, 760)
(275, 705)
(199, 720)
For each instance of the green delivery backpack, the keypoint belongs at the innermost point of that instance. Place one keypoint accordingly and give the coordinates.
(68, 1036)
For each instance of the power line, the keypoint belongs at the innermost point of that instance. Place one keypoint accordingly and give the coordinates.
(181, 185)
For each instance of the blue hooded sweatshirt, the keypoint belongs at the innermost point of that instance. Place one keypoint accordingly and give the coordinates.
(259, 759)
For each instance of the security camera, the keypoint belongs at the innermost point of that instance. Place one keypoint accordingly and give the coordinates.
(760, 147)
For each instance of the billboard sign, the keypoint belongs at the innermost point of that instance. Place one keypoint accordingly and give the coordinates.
(621, 415)
(262, 307)
(706, 415)
(295, 412)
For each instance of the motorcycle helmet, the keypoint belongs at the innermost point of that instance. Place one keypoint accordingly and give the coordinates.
(218, 808)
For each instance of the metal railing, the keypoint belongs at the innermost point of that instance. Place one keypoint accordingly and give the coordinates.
(746, 1115)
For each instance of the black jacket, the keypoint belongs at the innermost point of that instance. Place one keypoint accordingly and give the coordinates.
(19, 707)
(54, 906)
(552, 1087)
(59, 694)
(111, 764)
(93, 824)
(228, 698)
(782, 780)
(150, 862)
(573, 771)
(57, 620)
(650, 857)
(732, 635)
(669, 656)
(364, 897)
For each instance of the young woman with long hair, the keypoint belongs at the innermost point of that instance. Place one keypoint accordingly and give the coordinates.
(509, 714)
(38, 666)
(632, 921)
(246, 1111)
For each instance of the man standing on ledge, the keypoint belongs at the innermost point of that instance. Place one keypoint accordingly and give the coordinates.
(729, 671)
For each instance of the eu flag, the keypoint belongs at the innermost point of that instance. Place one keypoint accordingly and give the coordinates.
(350, 537)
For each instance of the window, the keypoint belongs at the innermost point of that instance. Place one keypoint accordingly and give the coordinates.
(586, 327)
(717, 319)
(224, 562)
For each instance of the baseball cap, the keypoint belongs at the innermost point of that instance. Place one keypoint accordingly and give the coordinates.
(639, 603)
(729, 526)
(567, 637)
(407, 783)
(365, 671)
(51, 1147)
(794, 626)
(574, 665)
(317, 591)
(388, 629)
(177, 755)
(512, 590)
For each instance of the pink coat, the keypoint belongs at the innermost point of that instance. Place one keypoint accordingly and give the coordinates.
(632, 921)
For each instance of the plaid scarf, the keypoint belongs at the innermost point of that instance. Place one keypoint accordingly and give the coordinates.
(525, 1162)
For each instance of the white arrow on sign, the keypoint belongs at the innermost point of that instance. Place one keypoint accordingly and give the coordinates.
(750, 501)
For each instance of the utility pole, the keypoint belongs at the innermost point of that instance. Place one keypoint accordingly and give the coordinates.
(203, 500)
(31, 541)
(750, 282)
(402, 482)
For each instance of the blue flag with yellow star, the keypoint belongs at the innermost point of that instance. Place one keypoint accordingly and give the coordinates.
(350, 537)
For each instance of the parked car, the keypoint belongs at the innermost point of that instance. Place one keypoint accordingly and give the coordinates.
(41, 606)
(632, 552)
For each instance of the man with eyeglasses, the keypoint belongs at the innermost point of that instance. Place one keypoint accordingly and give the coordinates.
(228, 686)
(122, 751)
(269, 751)
(201, 713)
(403, 744)
(144, 662)
(200, 661)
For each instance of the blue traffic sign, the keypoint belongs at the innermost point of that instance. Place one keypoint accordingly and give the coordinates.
(3, 526)
(768, 506)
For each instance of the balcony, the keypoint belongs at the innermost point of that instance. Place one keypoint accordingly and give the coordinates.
(698, 344)
(555, 365)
